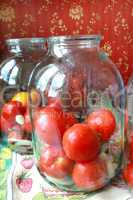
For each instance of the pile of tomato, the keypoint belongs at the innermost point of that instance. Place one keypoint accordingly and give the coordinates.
(72, 148)
(15, 120)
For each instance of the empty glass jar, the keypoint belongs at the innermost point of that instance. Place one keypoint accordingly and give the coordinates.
(78, 119)
(23, 54)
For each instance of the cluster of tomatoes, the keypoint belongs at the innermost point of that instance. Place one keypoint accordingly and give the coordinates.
(72, 149)
(15, 119)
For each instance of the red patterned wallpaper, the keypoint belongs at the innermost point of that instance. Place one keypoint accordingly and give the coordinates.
(111, 18)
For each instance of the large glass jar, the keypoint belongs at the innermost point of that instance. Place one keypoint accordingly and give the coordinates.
(128, 164)
(78, 121)
(22, 56)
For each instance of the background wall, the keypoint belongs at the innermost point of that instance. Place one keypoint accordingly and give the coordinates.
(111, 18)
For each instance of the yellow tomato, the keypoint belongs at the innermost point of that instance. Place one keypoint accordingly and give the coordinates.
(23, 97)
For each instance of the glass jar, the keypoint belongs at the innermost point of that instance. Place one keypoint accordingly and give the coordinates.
(128, 164)
(22, 56)
(78, 121)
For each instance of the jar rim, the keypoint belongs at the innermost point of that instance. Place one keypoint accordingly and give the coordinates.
(68, 38)
(16, 41)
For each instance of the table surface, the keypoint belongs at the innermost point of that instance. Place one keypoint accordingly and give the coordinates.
(20, 180)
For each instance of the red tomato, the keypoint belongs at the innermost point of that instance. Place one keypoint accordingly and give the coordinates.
(49, 125)
(80, 143)
(8, 115)
(6, 125)
(54, 102)
(27, 123)
(11, 109)
(103, 122)
(21, 97)
(128, 174)
(70, 120)
(54, 163)
(91, 175)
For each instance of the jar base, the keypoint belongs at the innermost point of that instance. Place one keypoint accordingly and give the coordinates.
(70, 186)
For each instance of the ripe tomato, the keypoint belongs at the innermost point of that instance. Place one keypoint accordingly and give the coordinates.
(80, 143)
(91, 175)
(27, 123)
(54, 102)
(21, 97)
(54, 163)
(6, 125)
(11, 109)
(49, 125)
(103, 123)
(128, 174)
(70, 120)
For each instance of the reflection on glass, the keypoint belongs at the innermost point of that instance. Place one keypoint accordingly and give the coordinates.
(9, 72)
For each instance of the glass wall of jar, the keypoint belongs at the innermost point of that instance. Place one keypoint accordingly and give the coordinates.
(22, 56)
(78, 120)
(128, 164)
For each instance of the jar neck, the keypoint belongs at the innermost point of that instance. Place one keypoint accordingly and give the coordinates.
(62, 45)
(22, 46)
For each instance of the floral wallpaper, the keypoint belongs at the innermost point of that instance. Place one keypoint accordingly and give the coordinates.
(111, 18)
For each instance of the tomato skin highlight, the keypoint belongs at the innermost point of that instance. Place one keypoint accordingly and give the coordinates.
(128, 174)
(103, 122)
(54, 163)
(91, 175)
(80, 143)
